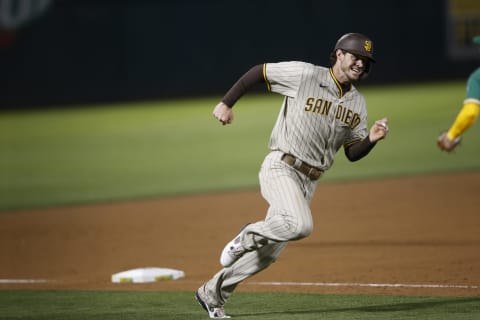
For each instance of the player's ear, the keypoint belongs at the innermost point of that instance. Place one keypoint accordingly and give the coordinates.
(334, 56)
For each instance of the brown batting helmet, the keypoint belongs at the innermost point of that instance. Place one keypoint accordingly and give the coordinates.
(355, 43)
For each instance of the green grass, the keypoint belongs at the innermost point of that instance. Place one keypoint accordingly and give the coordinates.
(113, 152)
(417, 114)
(104, 305)
(149, 149)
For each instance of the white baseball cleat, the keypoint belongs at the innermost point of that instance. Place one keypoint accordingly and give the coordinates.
(213, 312)
(233, 250)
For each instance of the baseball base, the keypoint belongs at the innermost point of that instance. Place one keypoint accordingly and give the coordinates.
(144, 275)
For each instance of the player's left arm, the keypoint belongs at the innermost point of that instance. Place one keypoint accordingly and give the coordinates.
(360, 148)
(449, 140)
(465, 118)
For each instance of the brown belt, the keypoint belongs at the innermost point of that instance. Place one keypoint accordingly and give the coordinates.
(311, 172)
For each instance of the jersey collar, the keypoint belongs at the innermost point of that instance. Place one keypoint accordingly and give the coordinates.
(341, 89)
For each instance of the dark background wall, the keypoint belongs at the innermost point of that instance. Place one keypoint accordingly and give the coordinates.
(105, 51)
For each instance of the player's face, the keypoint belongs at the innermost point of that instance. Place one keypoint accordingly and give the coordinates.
(351, 65)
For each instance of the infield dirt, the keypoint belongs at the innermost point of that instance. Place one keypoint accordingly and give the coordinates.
(421, 230)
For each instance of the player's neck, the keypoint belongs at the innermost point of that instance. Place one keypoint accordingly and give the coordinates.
(337, 75)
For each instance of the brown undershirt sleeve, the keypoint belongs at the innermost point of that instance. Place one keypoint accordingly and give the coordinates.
(250, 78)
(359, 150)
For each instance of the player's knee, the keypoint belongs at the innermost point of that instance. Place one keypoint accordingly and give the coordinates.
(291, 225)
(305, 230)
(301, 229)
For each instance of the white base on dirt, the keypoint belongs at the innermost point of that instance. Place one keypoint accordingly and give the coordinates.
(143, 275)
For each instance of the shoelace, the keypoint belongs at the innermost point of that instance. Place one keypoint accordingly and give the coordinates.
(237, 248)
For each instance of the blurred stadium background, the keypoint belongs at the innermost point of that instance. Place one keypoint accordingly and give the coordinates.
(67, 52)
(106, 100)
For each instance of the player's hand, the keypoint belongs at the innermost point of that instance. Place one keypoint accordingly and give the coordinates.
(223, 113)
(379, 130)
(445, 144)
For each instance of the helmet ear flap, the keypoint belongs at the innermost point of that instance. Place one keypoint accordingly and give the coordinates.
(366, 71)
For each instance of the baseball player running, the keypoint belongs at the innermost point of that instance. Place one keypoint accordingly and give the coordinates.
(321, 112)
(448, 140)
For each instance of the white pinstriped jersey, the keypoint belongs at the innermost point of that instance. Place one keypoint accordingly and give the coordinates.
(316, 119)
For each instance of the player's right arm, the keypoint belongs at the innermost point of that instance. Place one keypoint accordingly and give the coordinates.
(223, 111)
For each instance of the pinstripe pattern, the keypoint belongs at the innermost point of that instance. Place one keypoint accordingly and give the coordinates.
(289, 194)
(312, 136)
(315, 120)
